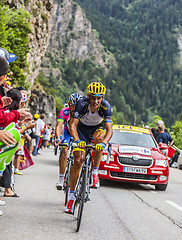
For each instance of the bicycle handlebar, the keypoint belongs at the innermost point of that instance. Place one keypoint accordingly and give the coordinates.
(90, 146)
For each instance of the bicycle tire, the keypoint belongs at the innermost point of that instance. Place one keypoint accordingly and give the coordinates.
(82, 200)
(67, 180)
(90, 172)
(66, 187)
(55, 150)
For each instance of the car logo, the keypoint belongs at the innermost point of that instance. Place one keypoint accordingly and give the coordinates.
(135, 157)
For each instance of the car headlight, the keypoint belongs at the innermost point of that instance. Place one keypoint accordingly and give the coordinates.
(104, 158)
(162, 163)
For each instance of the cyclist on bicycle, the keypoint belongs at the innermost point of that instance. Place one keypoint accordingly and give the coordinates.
(62, 128)
(92, 117)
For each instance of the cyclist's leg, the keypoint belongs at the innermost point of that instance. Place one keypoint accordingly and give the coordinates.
(75, 169)
(79, 155)
(74, 175)
(98, 137)
(63, 159)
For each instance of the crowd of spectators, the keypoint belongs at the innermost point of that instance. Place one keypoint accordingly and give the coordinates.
(165, 141)
(13, 108)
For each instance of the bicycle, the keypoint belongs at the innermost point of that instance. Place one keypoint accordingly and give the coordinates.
(82, 190)
(70, 161)
(56, 149)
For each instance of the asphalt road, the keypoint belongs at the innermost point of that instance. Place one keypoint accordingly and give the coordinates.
(116, 210)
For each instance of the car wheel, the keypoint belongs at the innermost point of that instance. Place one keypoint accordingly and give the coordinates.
(161, 187)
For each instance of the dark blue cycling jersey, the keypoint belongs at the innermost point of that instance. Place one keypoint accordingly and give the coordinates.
(84, 114)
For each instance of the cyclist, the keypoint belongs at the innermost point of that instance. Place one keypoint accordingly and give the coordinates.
(92, 117)
(62, 128)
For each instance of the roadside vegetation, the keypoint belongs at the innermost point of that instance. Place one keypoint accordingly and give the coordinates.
(14, 30)
(143, 36)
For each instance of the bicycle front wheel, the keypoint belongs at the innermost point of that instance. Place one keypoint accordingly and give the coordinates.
(67, 181)
(66, 187)
(82, 199)
(55, 150)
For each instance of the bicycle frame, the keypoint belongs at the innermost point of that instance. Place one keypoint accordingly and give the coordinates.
(70, 160)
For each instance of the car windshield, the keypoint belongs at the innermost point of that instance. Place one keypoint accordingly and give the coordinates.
(133, 138)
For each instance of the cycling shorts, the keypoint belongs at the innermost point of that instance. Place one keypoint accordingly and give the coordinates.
(86, 132)
(66, 136)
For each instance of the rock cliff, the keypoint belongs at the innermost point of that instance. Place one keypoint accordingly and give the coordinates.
(60, 29)
(72, 36)
(40, 11)
(40, 103)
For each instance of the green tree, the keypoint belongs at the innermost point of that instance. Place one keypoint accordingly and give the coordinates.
(14, 30)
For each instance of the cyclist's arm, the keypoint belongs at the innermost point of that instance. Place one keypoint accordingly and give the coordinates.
(59, 127)
(73, 128)
(109, 131)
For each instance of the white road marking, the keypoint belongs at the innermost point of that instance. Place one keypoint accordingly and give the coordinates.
(174, 205)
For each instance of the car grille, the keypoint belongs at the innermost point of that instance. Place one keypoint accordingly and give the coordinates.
(134, 176)
(143, 162)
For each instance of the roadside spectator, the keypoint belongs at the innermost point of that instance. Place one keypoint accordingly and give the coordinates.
(174, 160)
(12, 116)
(46, 137)
(9, 75)
(7, 86)
(38, 129)
(164, 137)
(20, 154)
(6, 118)
(6, 180)
(52, 135)
(40, 141)
(156, 131)
(32, 134)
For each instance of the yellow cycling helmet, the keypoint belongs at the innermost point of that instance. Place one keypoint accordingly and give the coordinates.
(96, 89)
(36, 116)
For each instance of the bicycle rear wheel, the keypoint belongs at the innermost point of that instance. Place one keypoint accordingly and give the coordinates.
(82, 199)
(67, 181)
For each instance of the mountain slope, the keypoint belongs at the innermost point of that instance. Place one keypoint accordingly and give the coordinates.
(143, 36)
(74, 55)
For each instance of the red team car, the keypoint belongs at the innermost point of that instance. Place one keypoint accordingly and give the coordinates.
(135, 157)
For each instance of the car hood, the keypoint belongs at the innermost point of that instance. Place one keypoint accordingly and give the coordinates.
(135, 150)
